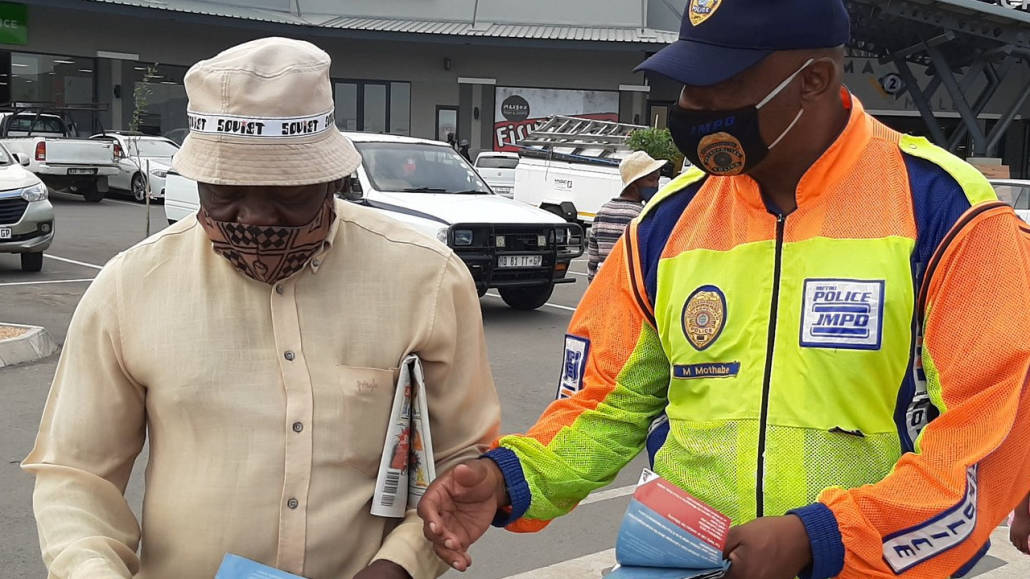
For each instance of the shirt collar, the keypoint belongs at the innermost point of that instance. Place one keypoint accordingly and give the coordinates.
(831, 167)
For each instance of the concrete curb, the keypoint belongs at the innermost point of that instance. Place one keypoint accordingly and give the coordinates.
(33, 345)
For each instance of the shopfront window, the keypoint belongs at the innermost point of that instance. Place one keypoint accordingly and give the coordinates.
(373, 106)
(158, 92)
(54, 80)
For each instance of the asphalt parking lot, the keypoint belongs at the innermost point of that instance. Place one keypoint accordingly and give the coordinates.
(525, 352)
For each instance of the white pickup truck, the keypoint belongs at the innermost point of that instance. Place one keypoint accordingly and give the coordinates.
(521, 250)
(60, 161)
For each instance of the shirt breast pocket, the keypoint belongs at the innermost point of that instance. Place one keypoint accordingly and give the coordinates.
(365, 400)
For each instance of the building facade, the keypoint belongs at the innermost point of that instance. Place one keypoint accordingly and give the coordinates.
(482, 70)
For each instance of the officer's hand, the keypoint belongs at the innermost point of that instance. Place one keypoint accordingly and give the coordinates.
(459, 507)
(1019, 532)
(768, 548)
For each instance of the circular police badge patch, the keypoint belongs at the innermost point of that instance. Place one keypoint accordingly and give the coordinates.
(704, 316)
(722, 154)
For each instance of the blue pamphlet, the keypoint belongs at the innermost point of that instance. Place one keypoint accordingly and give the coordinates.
(236, 567)
(669, 534)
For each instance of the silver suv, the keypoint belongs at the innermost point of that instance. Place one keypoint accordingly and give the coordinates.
(26, 215)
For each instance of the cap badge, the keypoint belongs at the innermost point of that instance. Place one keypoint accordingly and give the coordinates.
(701, 10)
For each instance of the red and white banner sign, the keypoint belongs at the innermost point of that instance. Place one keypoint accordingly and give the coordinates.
(518, 111)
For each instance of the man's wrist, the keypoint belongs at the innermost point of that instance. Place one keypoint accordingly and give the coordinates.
(500, 486)
(389, 569)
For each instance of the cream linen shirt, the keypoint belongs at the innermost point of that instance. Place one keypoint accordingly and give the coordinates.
(266, 407)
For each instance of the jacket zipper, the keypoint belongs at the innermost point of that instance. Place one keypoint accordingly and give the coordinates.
(767, 380)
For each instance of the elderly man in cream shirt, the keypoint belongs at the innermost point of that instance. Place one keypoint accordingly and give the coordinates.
(257, 345)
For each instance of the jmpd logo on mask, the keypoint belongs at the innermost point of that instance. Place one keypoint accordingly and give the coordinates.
(842, 314)
(713, 126)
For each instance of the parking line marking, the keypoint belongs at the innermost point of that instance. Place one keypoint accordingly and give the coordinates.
(609, 495)
(579, 274)
(72, 261)
(586, 566)
(83, 280)
(548, 304)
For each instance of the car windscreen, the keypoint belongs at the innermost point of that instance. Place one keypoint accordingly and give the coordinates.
(419, 168)
(5, 157)
(497, 162)
(1018, 196)
(151, 147)
(40, 124)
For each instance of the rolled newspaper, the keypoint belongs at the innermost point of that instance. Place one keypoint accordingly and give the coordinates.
(407, 465)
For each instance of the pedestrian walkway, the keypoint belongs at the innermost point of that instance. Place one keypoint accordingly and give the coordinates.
(1003, 562)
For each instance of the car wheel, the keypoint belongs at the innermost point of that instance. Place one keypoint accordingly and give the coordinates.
(32, 262)
(90, 192)
(481, 290)
(526, 298)
(139, 188)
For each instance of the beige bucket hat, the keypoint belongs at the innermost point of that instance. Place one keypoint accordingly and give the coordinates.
(637, 166)
(261, 113)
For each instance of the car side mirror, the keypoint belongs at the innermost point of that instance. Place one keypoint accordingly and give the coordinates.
(351, 190)
(21, 159)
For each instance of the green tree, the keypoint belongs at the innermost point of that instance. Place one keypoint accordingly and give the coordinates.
(140, 96)
(659, 144)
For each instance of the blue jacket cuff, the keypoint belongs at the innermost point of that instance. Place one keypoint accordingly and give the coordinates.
(515, 480)
(827, 544)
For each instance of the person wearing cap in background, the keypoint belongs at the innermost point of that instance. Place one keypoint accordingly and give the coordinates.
(640, 174)
(832, 314)
(256, 347)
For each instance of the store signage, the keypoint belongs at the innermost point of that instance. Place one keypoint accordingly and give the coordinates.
(14, 23)
(520, 110)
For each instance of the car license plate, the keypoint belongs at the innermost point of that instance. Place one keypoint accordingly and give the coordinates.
(5, 232)
(82, 171)
(520, 261)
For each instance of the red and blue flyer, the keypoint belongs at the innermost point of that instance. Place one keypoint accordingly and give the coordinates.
(669, 534)
(236, 567)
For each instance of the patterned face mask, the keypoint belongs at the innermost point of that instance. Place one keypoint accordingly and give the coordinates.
(269, 253)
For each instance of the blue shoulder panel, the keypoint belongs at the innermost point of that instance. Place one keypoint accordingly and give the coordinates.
(654, 231)
(938, 201)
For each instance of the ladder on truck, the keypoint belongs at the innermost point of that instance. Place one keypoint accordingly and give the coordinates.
(579, 140)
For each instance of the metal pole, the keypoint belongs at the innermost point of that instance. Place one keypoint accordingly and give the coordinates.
(917, 96)
(146, 192)
(1006, 120)
(959, 99)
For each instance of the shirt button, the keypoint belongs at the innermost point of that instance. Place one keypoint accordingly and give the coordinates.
(316, 262)
(298, 426)
(293, 503)
(289, 355)
(279, 289)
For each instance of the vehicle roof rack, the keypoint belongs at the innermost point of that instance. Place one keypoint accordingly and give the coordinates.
(579, 140)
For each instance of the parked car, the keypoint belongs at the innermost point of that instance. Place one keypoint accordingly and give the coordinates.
(521, 250)
(26, 216)
(59, 160)
(498, 170)
(133, 151)
(177, 136)
(1015, 192)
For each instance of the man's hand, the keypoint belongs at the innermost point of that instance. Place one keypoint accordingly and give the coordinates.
(459, 507)
(768, 548)
(383, 569)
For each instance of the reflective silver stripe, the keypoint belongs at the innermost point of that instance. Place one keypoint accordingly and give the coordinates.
(270, 127)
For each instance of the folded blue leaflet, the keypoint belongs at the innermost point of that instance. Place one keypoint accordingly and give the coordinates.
(236, 567)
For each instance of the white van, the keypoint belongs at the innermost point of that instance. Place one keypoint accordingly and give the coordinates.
(518, 249)
(570, 166)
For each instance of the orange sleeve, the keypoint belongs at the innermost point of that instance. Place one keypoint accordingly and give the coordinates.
(934, 513)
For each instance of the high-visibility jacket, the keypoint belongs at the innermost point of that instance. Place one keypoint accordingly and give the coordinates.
(799, 358)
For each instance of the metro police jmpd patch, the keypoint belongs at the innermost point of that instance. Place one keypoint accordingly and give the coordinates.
(842, 313)
(574, 364)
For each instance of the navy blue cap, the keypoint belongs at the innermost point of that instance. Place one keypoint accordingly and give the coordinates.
(719, 39)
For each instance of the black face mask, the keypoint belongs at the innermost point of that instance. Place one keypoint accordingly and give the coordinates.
(726, 142)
